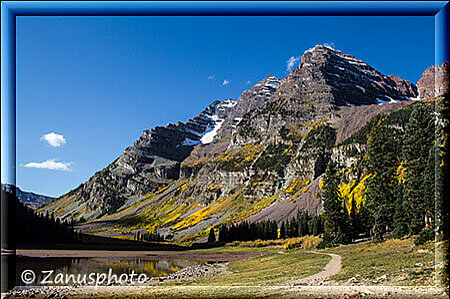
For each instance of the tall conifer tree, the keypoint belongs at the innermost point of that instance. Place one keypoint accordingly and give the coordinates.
(418, 201)
(334, 215)
(382, 162)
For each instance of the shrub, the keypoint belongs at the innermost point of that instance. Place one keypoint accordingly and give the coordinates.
(293, 244)
(306, 242)
(340, 238)
(257, 243)
(424, 236)
(322, 245)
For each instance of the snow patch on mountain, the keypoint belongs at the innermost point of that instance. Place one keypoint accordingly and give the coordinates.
(221, 113)
(209, 136)
(383, 101)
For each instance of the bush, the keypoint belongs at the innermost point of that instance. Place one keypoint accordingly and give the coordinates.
(340, 238)
(322, 245)
(424, 236)
(292, 244)
(256, 243)
(306, 242)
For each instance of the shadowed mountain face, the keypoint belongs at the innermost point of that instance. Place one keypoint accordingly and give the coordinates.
(261, 156)
(325, 81)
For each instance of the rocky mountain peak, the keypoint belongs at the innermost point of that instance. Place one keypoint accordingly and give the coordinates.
(326, 75)
(257, 95)
(278, 135)
(433, 82)
(321, 53)
(252, 98)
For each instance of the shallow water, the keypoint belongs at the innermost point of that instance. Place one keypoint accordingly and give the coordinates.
(80, 267)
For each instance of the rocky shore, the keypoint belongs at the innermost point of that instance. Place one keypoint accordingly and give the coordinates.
(204, 270)
(62, 292)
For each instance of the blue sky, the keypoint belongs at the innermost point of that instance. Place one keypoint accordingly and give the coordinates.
(97, 82)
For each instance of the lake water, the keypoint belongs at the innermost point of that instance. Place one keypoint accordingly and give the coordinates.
(86, 266)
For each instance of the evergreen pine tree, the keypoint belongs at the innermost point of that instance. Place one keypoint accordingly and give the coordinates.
(418, 201)
(401, 220)
(282, 231)
(353, 221)
(382, 163)
(334, 215)
(315, 227)
(211, 236)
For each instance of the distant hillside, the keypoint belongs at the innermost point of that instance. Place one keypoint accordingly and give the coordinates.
(30, 199)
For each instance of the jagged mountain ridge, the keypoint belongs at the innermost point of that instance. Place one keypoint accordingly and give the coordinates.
(252, 98)
(343, 80)
(250, 163)
(151, 162)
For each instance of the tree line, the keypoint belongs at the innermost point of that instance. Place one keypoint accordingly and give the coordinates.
(301, 225)
(149, 237)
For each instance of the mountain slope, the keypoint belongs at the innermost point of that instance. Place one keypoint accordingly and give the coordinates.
(149, 164)
(258, 156)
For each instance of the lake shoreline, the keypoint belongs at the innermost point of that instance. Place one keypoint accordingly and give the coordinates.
(201, 256)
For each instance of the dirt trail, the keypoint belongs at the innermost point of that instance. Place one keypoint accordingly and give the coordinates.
(333, 267)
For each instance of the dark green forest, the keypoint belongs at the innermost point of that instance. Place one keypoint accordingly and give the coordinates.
(31, 228)
(299, 226)
(404, 156)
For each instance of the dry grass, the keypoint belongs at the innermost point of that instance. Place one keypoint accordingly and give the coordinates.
(273, 267)
(393, 262)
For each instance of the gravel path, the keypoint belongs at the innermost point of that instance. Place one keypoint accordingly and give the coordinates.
(333, 267)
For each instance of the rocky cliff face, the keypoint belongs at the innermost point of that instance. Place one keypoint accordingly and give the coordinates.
(260, 157)
(252, 98)
(329, 76)
(434, 82)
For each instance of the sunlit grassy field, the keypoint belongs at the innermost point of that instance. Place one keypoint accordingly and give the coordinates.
(390, 263)
(393, 262)
(272, 268)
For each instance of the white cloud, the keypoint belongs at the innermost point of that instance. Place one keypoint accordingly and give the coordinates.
(225, 82)
(54, 139)
(51, 164)
(211, 77)
(291, 62)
